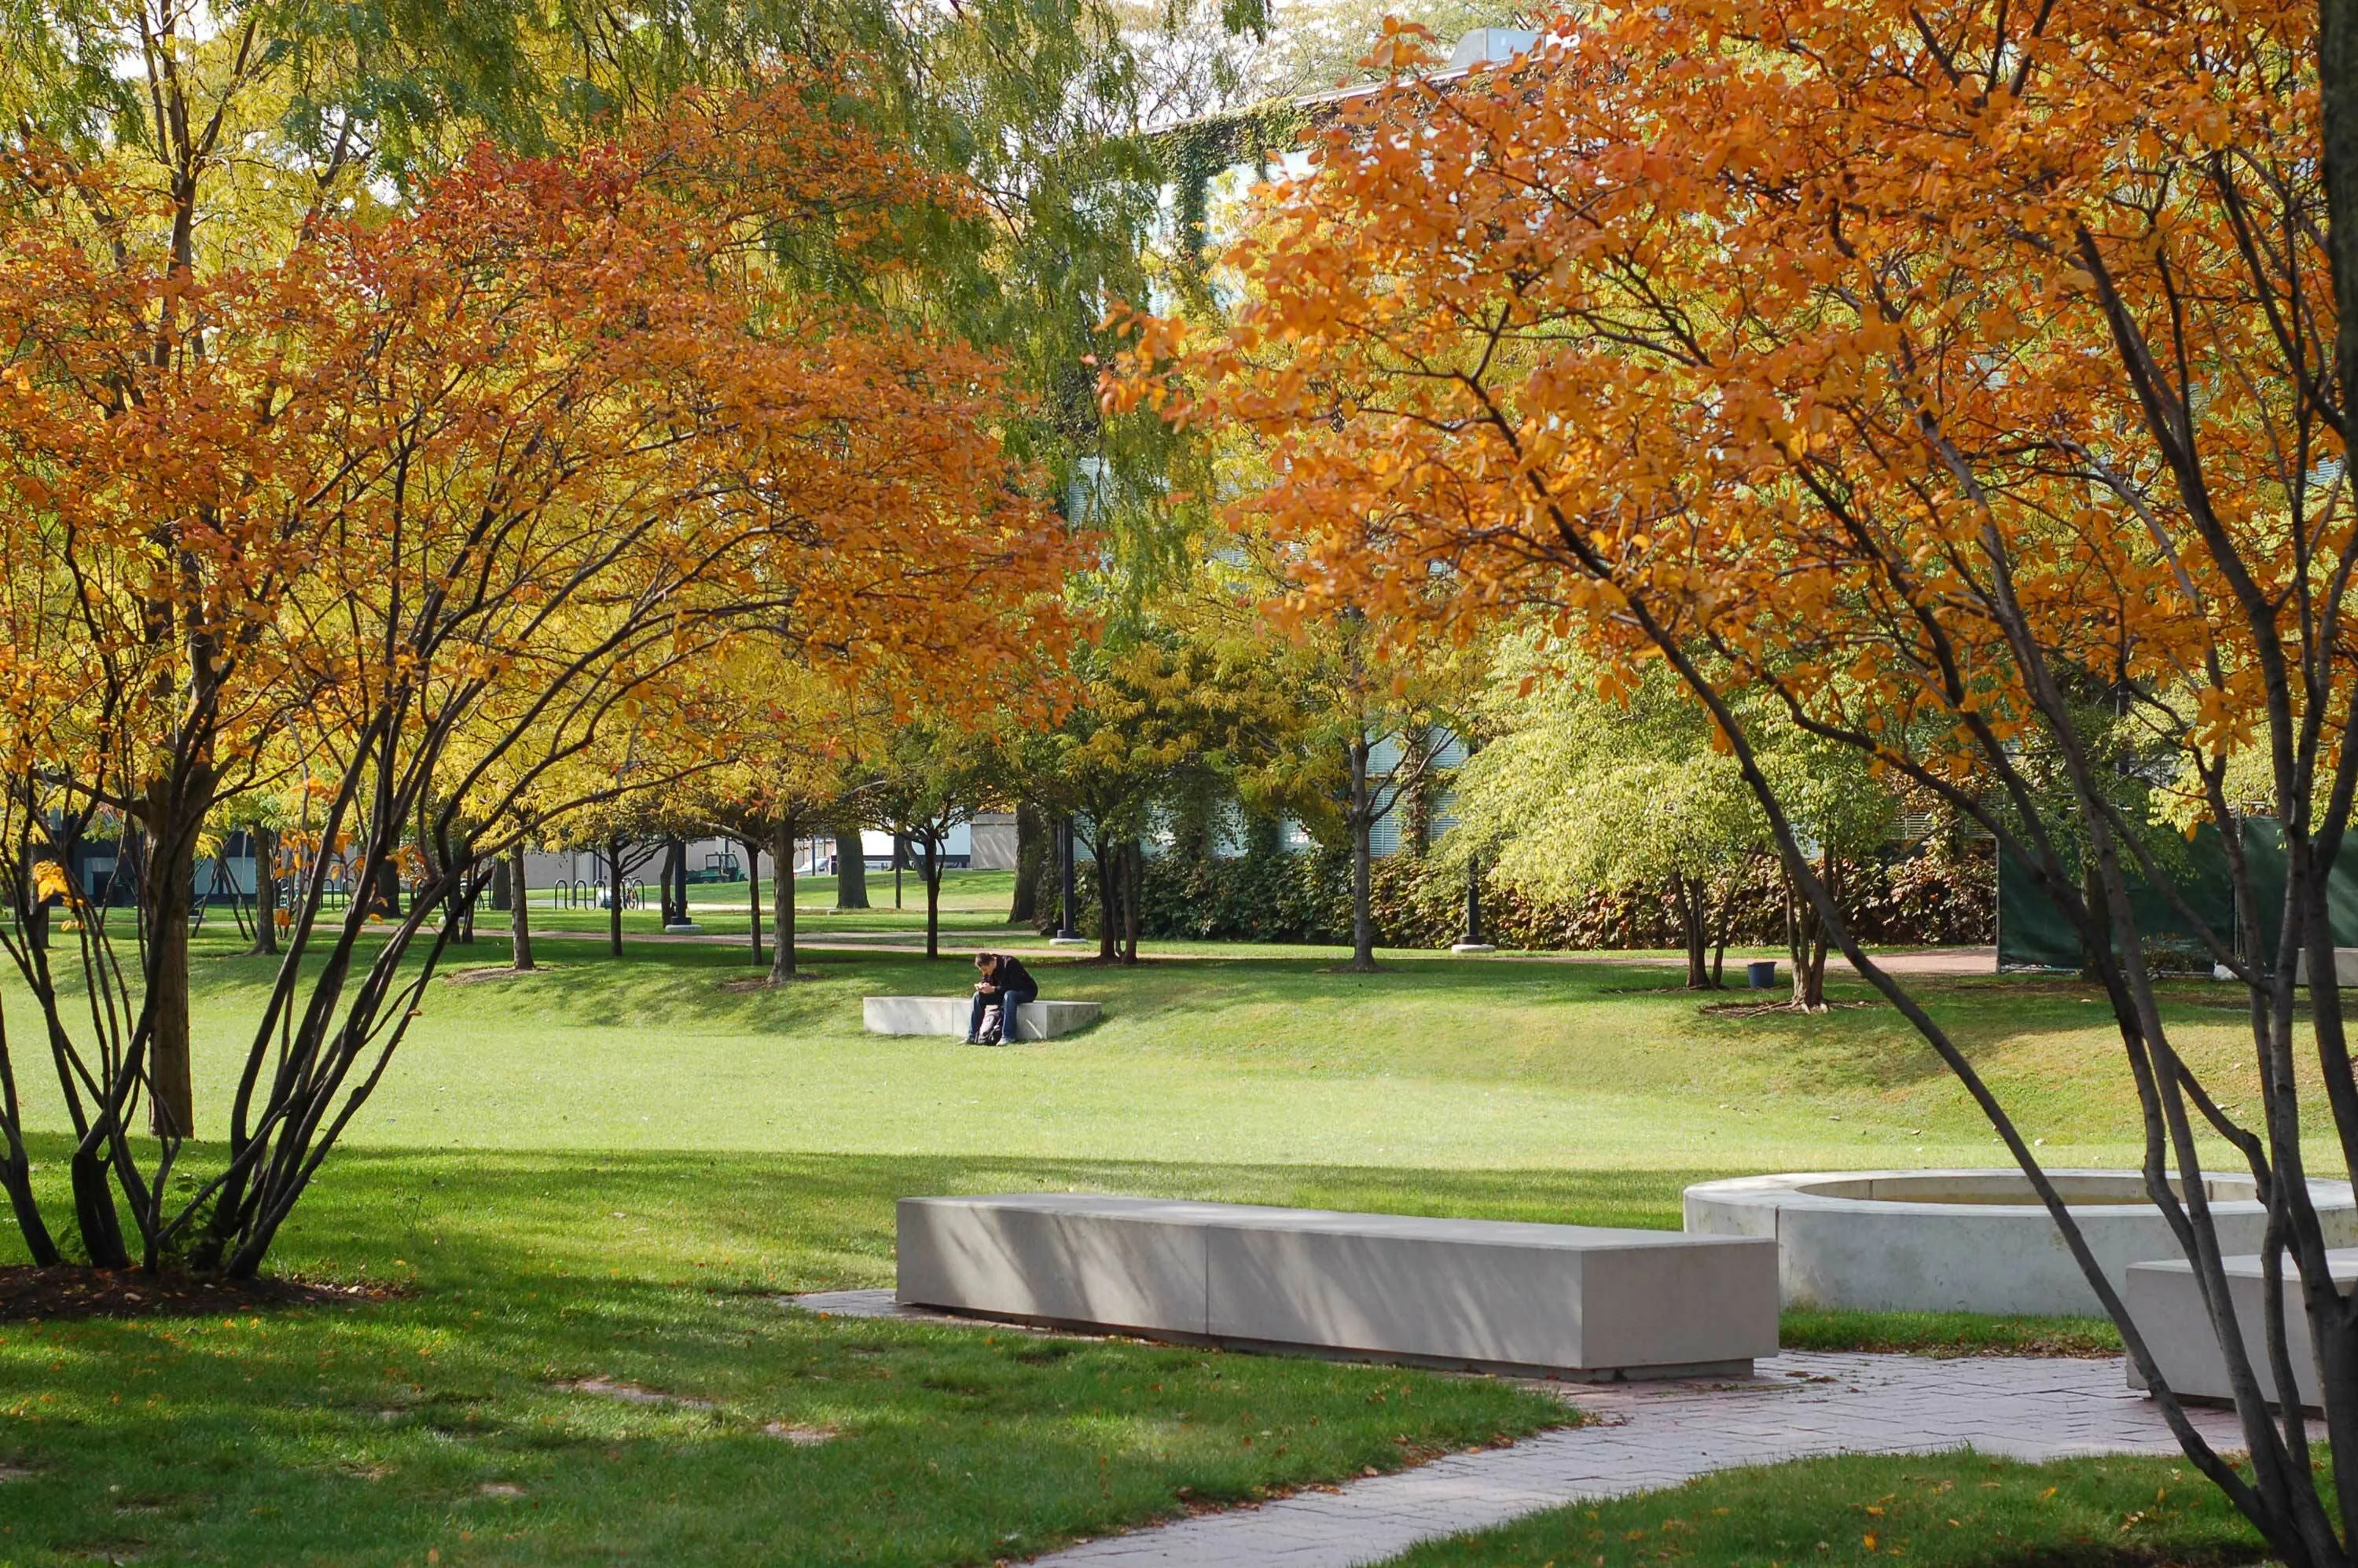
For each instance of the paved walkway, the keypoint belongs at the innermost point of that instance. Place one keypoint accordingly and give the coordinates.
(1645, 1435)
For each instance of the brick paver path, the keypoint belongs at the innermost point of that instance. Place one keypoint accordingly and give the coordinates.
(1644, 1436)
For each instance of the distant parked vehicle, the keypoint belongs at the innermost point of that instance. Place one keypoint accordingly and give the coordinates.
(719, 866)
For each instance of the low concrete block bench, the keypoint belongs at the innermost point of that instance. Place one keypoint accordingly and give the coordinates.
(948, 1015)
(1556, 1299)
(2167, 1310)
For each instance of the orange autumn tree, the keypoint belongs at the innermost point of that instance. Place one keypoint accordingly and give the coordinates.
(440, 505)
(1957, 381)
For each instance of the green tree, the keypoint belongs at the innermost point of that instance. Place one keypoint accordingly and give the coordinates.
(1156, 717)
(248, 122)
(1594, 779)
(1581, 789)
(1368, 728)
(784, 773)
(930, 777)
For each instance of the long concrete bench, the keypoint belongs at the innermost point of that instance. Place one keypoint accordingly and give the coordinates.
(1556, 1299)
(2345, 967)
(948, 1015)
(2167, 1310)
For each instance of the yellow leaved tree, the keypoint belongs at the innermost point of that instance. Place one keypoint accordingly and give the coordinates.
(455, 497)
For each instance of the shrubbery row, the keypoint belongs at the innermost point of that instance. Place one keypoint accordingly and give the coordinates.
(1936, 891)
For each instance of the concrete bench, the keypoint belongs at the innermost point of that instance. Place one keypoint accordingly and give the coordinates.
(948, 1015)
(2167, 1310)
(2345, 967)
(1551, 1300)
(1973, 1240)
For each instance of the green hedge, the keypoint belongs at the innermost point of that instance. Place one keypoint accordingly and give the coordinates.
(1926, 894)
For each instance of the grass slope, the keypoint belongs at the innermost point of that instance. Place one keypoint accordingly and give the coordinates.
(1239, 1059)
(450, 1420)
(608, 1170)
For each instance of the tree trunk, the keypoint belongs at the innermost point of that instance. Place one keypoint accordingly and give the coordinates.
(265, 893)
(1363, 863)
(16, 1177)
(519, 921)
(1030, 844)
(1719, 943)
(900, 863)
(94, 1213)
(850, 866)
(1133, 898)
(2337, 80)
(1809, 980)
(1109, 902)
(1808, 948)
(614, 896)
(1416, 824)
(36, 914)
(458, 908)
(1689, 895)
(782, 890)
(170, 872)
(779, 869)
(931, 869)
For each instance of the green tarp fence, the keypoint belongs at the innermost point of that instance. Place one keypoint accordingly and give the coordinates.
(2032, 932)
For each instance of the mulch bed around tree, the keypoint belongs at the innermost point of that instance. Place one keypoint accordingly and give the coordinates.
(1765, 1008)
(28, 1293)
(762, 982)
(494, 972)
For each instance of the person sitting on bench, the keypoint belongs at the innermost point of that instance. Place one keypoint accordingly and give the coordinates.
(1006, 983)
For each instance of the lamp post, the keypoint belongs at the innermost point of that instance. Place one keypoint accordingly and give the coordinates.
(1475, 940)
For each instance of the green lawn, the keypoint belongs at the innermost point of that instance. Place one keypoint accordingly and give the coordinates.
(1541, 1080)
(1951, 1511)
(443, 1420)
(974, 910)
(610, 1169)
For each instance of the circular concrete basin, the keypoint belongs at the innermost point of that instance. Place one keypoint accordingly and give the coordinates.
(1973, 1240)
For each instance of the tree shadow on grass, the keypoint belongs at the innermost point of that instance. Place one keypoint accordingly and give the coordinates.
(803, 1221)
(474, 1406)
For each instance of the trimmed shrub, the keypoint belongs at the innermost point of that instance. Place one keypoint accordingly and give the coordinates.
(1925, 894)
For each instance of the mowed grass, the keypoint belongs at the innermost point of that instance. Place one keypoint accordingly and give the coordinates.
(1948, 1333)
(974, 905)
(1238, 1057)
(1950, 1510)
(611, 1171)
(973, 916)
(453, 1419)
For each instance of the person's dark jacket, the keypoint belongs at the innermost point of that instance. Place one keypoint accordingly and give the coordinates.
(1010, 975)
